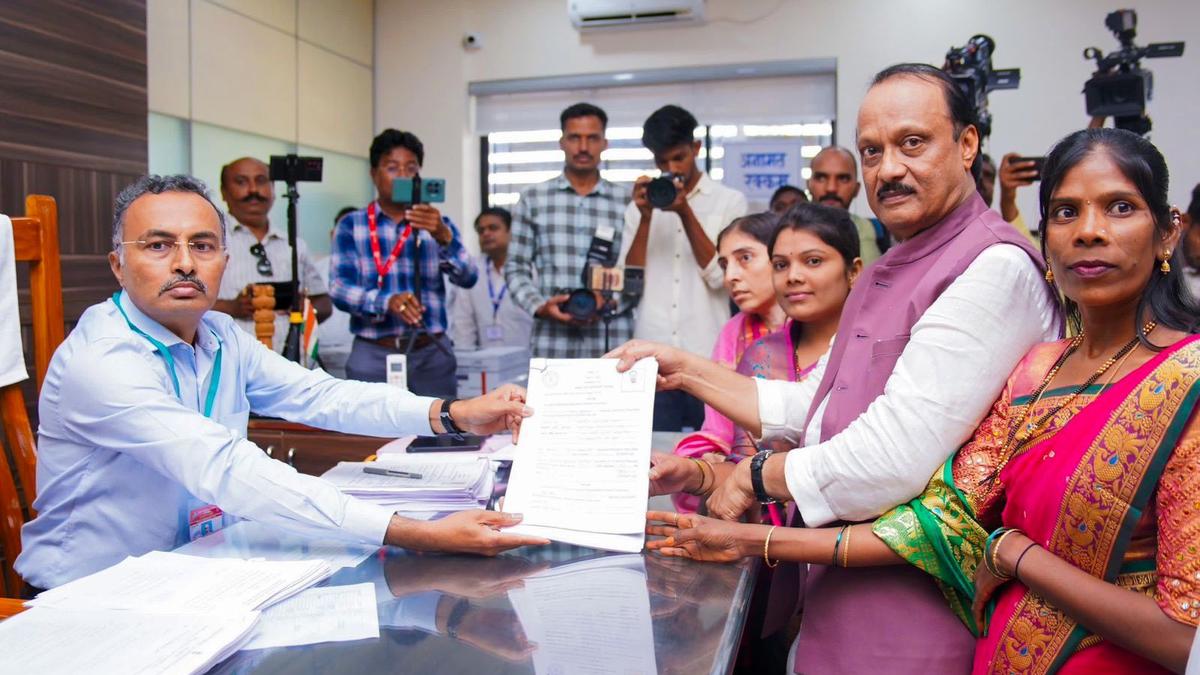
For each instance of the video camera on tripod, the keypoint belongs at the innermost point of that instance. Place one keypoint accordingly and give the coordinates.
(602, 277)
(970, 66)
(1120, 87)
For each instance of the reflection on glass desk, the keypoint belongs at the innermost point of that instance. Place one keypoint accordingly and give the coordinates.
(555, 609)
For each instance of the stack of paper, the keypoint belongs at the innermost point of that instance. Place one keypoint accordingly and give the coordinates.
(582, 469)
(156, 613)
(171, 582)
(418, 485)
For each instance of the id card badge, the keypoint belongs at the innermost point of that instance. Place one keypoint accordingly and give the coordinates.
(397, 370)
(493, 333)
(203, 519)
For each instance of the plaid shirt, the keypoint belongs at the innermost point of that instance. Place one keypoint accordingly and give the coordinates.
(551, 232)
(353, 274)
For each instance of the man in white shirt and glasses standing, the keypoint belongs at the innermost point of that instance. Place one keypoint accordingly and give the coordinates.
(142, 443)
(684, 303)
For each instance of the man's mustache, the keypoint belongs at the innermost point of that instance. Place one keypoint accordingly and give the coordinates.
(253, 197)
(831, 197)
(582, 155)
(889, 189)
(184, 279)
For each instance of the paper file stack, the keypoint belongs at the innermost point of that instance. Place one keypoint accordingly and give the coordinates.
(445, 484)
(156, 613)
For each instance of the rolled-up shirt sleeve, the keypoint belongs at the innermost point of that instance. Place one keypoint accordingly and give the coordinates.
(961, 352)
(783, 406)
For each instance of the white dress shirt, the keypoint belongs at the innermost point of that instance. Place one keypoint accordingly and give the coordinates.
(12, 358)
(242, 269)
(122, 458)
(485, 315)
(684, 305)
(962, 350)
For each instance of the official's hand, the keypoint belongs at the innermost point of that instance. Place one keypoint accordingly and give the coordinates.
(475, 531)
(670, 473)
(688, 535)
(406, 306)
(986, 583)
(639, 196)
(243, 305)
(501, 409)
(734, 496)
(551, 310)
(672, 362)
(426, 217)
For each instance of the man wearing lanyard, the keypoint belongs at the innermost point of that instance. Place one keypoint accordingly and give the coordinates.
(143, 414)
(485, 315)
(378, 253)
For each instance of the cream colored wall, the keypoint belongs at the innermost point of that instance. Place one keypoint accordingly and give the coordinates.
(533, 38)
(255, 77)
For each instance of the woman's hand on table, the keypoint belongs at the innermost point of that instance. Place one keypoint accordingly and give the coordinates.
(688, 535)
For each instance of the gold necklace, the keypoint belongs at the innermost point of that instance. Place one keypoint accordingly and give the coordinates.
(1023, 431)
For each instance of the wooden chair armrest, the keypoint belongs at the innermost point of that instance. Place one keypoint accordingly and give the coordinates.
(11, 607)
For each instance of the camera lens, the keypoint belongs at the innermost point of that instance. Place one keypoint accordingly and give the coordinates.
(581, 305)
(661, 191)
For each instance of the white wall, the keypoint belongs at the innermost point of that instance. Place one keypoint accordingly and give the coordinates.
(422, 71)
(230, 78)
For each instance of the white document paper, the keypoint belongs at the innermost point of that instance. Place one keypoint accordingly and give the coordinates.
(99, 642)
(582, 464)
(323, 614)
(613, 589)
(250, 540)
(171, 582)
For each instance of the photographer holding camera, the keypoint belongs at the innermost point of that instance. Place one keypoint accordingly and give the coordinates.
(374, 270)
(677, 214)
(561, 228)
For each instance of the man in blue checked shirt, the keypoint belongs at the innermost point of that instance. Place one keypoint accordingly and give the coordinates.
(377, 253)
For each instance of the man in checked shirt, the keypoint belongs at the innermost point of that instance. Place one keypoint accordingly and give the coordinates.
(373, 267)
(553, 225)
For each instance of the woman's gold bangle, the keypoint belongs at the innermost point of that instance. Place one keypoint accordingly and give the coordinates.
(996, 556)
(846, 548)
(767, 548)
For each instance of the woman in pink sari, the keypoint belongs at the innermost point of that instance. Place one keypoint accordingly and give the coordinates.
(789, 275)
(1086, 473)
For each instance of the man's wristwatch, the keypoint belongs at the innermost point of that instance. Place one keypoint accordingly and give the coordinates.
(445, 418)
(756, 479)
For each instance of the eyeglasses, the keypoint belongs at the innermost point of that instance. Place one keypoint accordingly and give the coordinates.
(264, 263)
(163, 248)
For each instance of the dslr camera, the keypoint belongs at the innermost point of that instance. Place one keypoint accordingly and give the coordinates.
(296, 169)
(970, 66)
(661, 192)
(601, 278)
(1120, 87)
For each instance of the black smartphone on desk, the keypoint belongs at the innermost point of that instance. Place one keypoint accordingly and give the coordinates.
(447, 443)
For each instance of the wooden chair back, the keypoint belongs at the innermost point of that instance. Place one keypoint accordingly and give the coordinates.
(35, 239)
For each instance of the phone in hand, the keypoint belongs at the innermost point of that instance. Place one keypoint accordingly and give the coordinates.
(446, 443)
(1038, 163)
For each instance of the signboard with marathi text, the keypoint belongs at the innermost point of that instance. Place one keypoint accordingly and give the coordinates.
(758, 168)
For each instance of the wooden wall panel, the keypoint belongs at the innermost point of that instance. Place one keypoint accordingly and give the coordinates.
(72, 125)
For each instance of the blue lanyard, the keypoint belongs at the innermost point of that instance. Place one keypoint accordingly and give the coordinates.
(214, 381)
(496, 299)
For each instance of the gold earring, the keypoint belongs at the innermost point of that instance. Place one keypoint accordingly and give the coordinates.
(1165, 267)
(1049, 274)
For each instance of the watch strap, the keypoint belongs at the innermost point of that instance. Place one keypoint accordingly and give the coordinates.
(445, 418)
(756, 479)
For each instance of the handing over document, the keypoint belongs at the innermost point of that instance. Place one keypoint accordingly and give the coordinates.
(581, 471)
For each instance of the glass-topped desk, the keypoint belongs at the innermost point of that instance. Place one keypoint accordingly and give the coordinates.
(557, 609)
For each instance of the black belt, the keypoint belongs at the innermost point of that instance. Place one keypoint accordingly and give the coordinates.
(400, 342)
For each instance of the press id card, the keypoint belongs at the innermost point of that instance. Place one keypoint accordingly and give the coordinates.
(397, 370)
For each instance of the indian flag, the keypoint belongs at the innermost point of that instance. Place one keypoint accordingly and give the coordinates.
(308, 339)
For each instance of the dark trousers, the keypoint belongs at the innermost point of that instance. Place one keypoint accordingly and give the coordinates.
(677, 411)
(430, 370)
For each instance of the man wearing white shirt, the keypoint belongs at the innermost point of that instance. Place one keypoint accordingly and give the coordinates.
(485, 315)
(927, 339)
(684, 303)
(144, 409)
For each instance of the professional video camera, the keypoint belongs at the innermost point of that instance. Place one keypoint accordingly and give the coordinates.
(1120, 87)
(602, 278)
(970, 66)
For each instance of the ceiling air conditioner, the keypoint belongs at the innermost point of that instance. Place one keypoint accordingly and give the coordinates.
(589, 15)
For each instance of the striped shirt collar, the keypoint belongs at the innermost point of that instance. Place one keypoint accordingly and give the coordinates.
(272, 231)
(602, 187)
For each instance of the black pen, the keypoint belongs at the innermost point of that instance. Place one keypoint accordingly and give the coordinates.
(379, 471)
